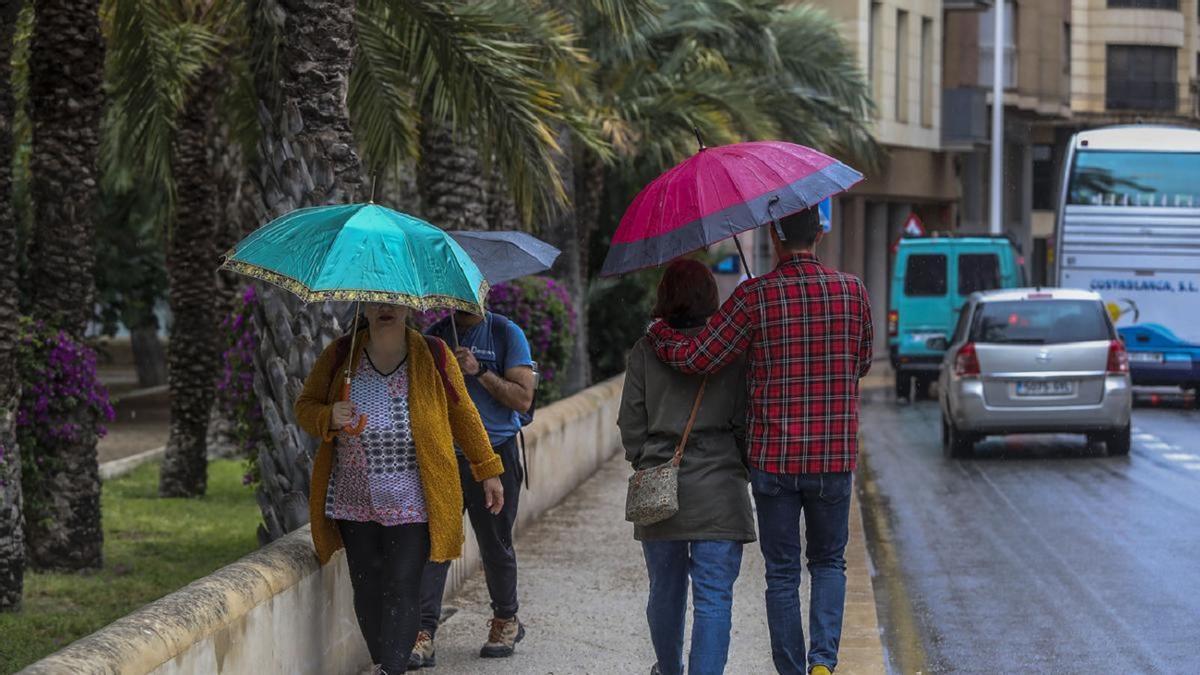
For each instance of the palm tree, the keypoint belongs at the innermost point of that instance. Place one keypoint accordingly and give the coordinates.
(299, 121)
(159, 129)
(728, 70)
(66, 102)
(451, 57)
(12, 541)
(191, 261)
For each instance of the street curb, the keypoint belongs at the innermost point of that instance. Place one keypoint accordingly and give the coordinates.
(139, 393)
(120, 467)
(862, 649)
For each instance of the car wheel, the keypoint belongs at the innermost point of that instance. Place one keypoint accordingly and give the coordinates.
(902, 385)
(1119, 441)
(955, 444)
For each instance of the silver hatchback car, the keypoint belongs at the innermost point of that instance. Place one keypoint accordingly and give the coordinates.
(1035, 361)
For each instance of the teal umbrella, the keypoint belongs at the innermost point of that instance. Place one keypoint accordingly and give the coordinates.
(364, 253)
(361, 253)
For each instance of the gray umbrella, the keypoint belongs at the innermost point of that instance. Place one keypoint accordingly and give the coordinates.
(505, 255)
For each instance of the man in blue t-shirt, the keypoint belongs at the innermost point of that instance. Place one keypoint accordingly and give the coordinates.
(494, 356)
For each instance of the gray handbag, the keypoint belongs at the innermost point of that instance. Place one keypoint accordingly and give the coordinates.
(654, 493)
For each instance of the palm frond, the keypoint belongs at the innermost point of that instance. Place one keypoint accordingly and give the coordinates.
(477, 72)
(383, 113)
(153, 60)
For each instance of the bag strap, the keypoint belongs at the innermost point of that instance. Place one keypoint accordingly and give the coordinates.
(687, 430)
(438, 349)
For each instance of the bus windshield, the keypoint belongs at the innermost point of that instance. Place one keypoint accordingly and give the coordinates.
(1120, 178)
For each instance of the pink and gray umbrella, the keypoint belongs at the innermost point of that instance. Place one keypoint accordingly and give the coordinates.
(719, 193)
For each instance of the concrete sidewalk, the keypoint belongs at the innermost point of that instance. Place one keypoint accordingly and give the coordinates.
(583, 594)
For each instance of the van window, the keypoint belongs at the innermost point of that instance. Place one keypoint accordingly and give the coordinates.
(1040, 322)
(978, 272)
(925, 275)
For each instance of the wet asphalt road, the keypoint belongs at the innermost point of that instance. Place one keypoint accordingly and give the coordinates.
(1039, 554)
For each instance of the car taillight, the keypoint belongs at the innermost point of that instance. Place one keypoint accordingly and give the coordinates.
(1118, 358)
(893, 323)
(966, 362)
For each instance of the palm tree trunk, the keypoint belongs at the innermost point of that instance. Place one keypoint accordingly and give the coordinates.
(589, 192)
(191, 259)
(240, 207)
(66, 103)
(502, 211)
(149, 357)
(12, 540)
(563, 232)
(451, 180)
(307, 157)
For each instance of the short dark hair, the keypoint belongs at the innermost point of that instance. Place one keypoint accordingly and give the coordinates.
(801, 229)
(687, 290)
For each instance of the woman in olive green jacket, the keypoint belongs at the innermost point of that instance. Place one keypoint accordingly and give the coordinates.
(704, 539)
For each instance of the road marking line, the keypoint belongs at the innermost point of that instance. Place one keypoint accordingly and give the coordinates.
(1194, 466)
(1181, 456)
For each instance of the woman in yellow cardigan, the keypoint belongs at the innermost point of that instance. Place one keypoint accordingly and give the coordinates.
(391, 494)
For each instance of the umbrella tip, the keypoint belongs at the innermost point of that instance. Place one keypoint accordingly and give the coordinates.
(699, 139)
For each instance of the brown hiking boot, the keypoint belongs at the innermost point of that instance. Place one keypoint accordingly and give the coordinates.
(503, 636)
(423, 655)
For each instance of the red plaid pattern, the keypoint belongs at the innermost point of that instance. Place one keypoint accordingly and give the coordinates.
(808, 331)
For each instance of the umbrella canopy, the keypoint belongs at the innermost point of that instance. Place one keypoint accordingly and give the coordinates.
(718, 193)
(361, 252)
(503, 256)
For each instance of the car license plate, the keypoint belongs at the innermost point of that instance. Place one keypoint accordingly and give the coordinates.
(1050, 388)
(1146, 357)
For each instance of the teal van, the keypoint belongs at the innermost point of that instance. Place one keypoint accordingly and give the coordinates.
(931, 280)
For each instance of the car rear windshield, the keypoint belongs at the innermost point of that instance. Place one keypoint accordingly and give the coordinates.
(925, 275)
(1040, 322)
(978, 272)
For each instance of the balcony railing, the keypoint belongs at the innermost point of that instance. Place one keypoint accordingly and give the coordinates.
(964, 117)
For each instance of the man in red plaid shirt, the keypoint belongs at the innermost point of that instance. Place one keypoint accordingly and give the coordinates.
(807, 329)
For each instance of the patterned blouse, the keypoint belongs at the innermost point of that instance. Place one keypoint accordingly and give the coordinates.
(375, 477)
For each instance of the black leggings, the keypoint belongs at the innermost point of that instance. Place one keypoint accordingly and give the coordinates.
(385, 571)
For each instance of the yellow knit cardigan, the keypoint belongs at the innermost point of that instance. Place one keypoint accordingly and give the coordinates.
(438, 423)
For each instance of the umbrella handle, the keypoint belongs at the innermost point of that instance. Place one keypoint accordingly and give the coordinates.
(356, 429)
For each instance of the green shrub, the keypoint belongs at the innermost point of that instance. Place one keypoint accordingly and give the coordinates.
(618, 313)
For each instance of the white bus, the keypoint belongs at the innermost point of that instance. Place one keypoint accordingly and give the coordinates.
(1129, 228)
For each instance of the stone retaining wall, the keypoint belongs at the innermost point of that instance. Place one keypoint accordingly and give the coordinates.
(276, 611)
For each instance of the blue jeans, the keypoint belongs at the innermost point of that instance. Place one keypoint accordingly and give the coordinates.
(824, 500)
(713, 567)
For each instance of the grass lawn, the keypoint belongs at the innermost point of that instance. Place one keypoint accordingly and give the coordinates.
(152, 547)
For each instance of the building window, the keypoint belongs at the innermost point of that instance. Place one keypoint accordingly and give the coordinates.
(902, 65)
(1141, 77)
(1144, 4)
(1043, 177)
(873, 60)
(926, 72)
(987, 28)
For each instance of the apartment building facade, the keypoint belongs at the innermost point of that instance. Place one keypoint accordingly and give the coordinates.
(1071, 65)
(899, 45)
